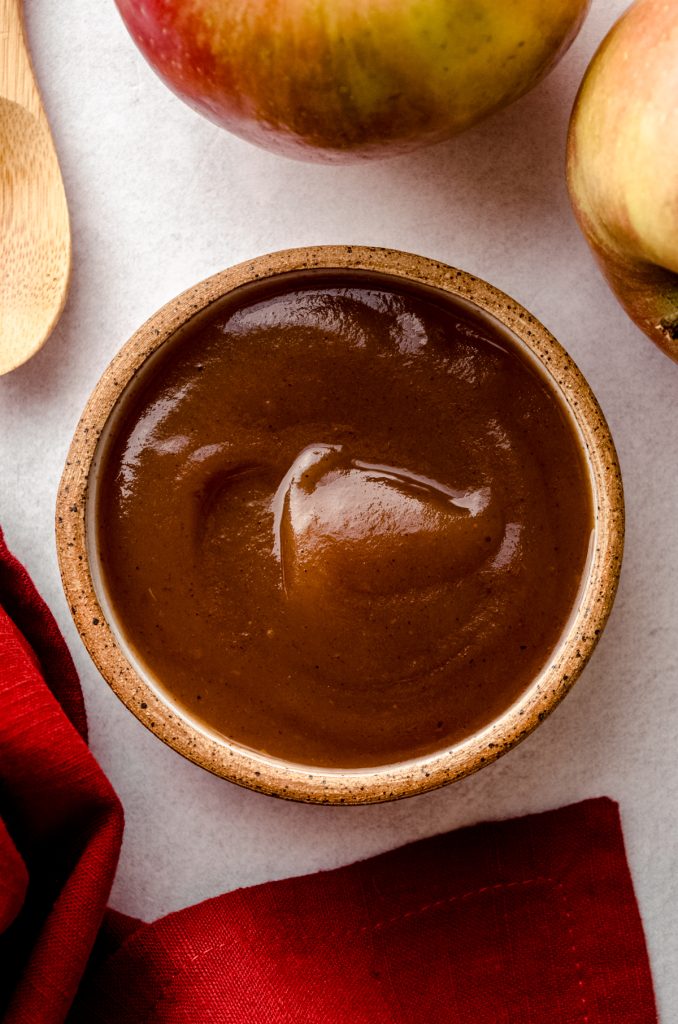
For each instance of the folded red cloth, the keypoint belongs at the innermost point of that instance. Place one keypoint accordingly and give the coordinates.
(530, 921)
(63, 822)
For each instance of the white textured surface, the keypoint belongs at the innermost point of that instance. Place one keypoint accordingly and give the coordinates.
(159, 199)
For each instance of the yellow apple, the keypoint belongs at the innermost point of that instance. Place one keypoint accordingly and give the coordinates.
(340, 80)
(623, 165)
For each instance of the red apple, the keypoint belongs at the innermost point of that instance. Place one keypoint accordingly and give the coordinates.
(338, 80)
(623, 165)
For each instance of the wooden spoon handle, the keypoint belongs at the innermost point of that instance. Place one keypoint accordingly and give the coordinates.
(17, 81)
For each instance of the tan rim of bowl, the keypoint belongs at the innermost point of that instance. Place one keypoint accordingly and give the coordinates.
(297, 782)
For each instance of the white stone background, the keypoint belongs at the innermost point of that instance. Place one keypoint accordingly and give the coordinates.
(159, 199)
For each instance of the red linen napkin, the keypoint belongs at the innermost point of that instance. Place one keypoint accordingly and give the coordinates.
(530, 921)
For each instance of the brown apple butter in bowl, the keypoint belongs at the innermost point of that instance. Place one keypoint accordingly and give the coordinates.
(340, 524)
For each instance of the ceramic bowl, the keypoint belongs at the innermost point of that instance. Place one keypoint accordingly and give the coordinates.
(77, 555)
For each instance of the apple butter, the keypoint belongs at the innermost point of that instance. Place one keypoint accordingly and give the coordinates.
(342, 519)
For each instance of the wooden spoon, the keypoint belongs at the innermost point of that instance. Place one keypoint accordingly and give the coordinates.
(35, 238)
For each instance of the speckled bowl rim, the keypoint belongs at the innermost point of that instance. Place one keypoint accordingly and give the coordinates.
(269, 775)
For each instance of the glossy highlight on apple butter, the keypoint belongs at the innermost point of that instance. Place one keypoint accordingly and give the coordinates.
(342, 520)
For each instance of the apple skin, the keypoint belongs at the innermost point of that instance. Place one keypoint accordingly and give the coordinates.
(342, 80)
(623, 165)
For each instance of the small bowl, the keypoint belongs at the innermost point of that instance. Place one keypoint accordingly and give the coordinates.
(74, 529)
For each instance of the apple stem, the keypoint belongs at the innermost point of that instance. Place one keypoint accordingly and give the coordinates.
(669, 325)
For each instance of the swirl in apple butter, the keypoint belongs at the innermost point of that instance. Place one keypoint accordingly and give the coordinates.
(341, 519)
